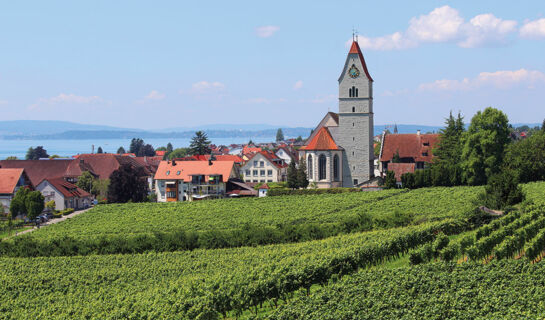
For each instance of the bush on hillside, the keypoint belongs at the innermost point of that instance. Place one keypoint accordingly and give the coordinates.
(501, 191)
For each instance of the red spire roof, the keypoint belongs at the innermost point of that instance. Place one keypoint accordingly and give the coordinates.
(355, 48)
(321, 141)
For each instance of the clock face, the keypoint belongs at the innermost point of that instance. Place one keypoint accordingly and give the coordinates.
(353, 72)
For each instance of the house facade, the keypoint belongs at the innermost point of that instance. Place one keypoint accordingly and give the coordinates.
(65, 194)
(409, 148)
(193, 180)
(264, 166)
(10, 181)
(340, 151)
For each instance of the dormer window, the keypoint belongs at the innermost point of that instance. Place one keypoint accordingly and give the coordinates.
(168, 172)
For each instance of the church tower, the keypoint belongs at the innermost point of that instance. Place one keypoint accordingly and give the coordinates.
(355, 132)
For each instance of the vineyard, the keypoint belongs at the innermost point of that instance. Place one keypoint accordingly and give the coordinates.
(506, 289)
(200, 283)
(136, 228)
(464, 265)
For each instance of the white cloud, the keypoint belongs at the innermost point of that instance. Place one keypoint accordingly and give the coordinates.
(444, 24)
(533, 29)
(266, 31)
(499, 79)
(155, 95)
(207, 87)
(298, 85)
(64, 98)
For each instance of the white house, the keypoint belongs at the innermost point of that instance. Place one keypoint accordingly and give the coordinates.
(264, 166)
(263, 190)
(193, 180)
(65, 194)
(285, 154)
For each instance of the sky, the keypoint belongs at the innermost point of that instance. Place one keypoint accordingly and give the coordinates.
(164, 64)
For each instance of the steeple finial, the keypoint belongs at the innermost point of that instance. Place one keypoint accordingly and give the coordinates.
(354, 35)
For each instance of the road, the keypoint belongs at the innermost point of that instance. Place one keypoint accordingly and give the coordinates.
(53, 221)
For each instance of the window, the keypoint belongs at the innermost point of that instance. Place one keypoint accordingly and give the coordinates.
(427, 144)
(322, 162)
(261, 164)
(336, 168)
(355, 182)
(262, 173)
(171, 194)
(352, 152)
(269, 173)
(255, 163)
(162, 184)
(168, 172)
(261, 180)
(269, 180)
(353, 92)
(356, 92)
(353, 110)
(424, 154)
(248, 172)
(352, 124)
(350, 93)
(178, 173)
(310, 168)
(255, 173)
(353, 139)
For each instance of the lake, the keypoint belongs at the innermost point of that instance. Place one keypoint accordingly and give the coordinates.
(68, 148)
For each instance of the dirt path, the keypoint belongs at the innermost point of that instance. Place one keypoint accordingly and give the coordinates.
(53, 221)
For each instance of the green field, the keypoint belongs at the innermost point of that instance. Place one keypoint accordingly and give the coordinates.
(353, 275)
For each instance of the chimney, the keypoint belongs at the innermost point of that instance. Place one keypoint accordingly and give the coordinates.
(418, 132)
(173, 162)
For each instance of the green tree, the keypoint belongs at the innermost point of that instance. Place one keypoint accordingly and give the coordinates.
(127, 184)
(484, 145)
(200, 144)
(178, 153)
(34, 203)
(279, 135)
(390, 181)
(55, 156)
(302, 177)
(18, 203)
(543, 126)
(292, 176)
(526, 158)
(50, 205)
(36, 153)
(377, 149)
(85, 181)
(121, 150)
(12, 158)
(299, 139)
(501, 191)
(136, 145)
(100, 188)
(169, 147)
(408, 180)
(99, 150)
(250, 143)
(446, 165)
(396, 158)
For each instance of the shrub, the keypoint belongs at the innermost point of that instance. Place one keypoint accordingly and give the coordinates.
(501, 191)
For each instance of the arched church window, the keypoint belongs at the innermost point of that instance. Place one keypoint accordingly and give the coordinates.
(322, 167)
(353, 109)
(336, 168)
(356, 95)
(310, 169)
(350, 92)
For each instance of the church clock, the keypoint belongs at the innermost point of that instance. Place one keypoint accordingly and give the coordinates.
(353, 72)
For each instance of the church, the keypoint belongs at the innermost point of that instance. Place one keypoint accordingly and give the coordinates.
(339, 152)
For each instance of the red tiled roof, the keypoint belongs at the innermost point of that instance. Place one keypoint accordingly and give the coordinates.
(264, 186)
(104, 164)
(9, 179)
(38, 170)
(219, 157)
(409, 146)
(183, 170)
(355, 48)
(68, 189)
(272, 157)
(401, 168)
(321, 141)
(247, 149)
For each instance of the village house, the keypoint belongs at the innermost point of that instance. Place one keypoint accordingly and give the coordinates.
(65, 194)
(410, 148)
(400, 169)
(286, 153)
(10, 181)
(193, 180)
(38, 170)
(264, 166)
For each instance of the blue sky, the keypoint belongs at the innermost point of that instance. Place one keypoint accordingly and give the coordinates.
(181, 64)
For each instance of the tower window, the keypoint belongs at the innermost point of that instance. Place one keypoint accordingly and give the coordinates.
(353, 138)
(350, 92)
(356, 92)
(353, 109)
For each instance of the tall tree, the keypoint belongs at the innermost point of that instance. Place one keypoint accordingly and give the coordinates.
(121, 150)
(543, 126)
(292, 176)
(34, 203)
(36, 153)
(526, 158)
(279, 135)
(17, 205)
(136, 145)
(169, 147)
(446, 166)
(484, 144)
(85, 181)
(199, 144)
(146, 151)
(127, 184)
(302, 178)
(390, 182)
(99, 150)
